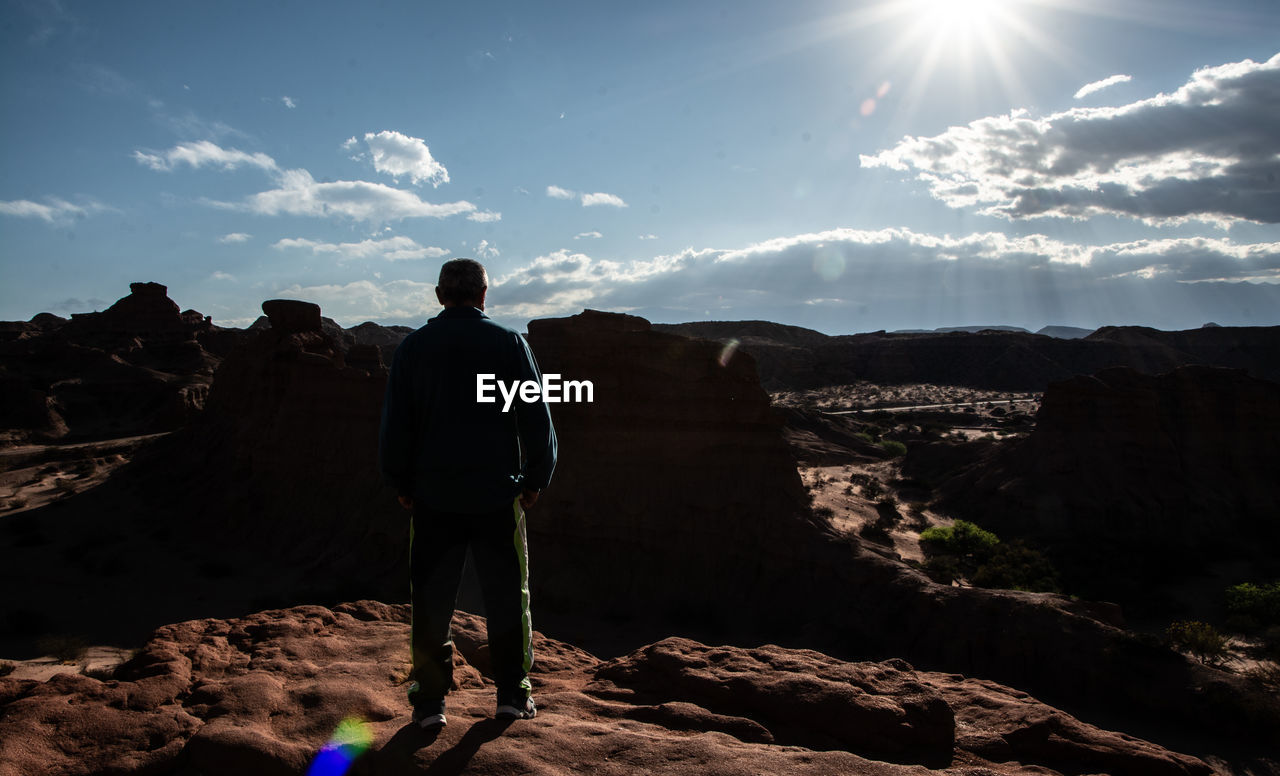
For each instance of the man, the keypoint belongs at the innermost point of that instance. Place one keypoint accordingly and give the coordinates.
(467, 470)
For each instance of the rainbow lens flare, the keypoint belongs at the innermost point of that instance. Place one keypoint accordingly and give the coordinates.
(727, 352)
(351, 738)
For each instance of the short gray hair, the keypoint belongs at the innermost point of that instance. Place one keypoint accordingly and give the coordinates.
(462, 281)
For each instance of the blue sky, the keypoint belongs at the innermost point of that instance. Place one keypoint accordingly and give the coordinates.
(848, 166)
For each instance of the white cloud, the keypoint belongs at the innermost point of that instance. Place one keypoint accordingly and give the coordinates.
(1097, 86)
(486, 251)
(202, 153)
(235, 237)
(220, 275)
(600, 198)
(647, 237)
(288, 102)
(933, 278)
(849, 280)
(587, 236)
(364, 300)
(1209, 151)
(56, 211)
(588, 200)
(484, 216)
(391, 248)
(399, 155)
(300, 194)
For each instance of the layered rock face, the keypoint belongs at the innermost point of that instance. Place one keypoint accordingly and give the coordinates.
(138, 367)
(675, 490)
(266, 692)
(289, 444)
(1133, 474)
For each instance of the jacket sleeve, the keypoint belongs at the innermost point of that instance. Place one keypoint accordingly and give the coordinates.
(395, 437)
(533, 423)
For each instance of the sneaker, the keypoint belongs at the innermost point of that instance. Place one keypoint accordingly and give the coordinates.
(430, 716)
(517, 710)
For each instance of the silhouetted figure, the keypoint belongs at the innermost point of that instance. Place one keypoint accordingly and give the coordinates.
(468, 470)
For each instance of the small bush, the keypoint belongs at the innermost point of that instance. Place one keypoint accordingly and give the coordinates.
(826, 513)
(7, 668)
(1256, 603)
(963, 539)
(887, 510)
(1200, 639)
(876, 532)
(865, 437)
(1014, 566)
(872, 489)
(943, 569)
(67, 649)
(894, 448)
(1267, 675)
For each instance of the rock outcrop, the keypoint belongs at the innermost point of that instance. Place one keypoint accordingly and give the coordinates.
(293, 428)
(1129, 475)
(138, 367)
(675, 486)
(265, 693)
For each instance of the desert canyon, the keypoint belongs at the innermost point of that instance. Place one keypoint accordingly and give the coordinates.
(751, 560)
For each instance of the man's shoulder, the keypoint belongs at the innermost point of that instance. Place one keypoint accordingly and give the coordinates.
(444, 328)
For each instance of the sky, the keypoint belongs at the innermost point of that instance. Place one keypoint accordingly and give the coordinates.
(846, 166)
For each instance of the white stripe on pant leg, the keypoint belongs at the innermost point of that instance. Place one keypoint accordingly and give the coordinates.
(526, 620)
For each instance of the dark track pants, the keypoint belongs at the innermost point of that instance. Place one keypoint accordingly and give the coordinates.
(438, 550)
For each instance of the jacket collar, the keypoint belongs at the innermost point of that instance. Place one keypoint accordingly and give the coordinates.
(461, 312)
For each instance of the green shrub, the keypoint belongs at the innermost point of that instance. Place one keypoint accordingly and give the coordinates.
(1201, 639)
(943, 569)
(963, 539)
(894, 448)
(1259, 603)
(1015, 566)
(865, 437)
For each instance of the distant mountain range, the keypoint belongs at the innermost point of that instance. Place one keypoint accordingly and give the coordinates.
(1005, 358)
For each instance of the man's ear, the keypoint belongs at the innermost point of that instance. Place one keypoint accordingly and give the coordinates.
(439, 298)
(483, 291)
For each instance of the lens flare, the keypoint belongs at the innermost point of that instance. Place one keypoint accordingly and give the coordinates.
(726, 353)
(351, 739)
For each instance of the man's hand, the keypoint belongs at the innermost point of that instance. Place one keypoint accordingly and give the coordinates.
(528, 498)
(406, 501)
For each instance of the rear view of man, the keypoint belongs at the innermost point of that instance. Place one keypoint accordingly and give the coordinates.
(468, 470)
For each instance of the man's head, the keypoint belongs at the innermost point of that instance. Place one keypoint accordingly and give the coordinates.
(463, 283)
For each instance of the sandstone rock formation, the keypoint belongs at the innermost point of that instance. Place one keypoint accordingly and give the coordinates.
(138, 367)
(293, 428)
(676, 509)
(1128, 475)
(264, 693)
(672, 481)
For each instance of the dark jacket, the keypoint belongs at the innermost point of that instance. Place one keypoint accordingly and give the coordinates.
(441, 446)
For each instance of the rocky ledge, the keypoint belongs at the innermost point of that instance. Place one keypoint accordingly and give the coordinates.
(264, 693)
